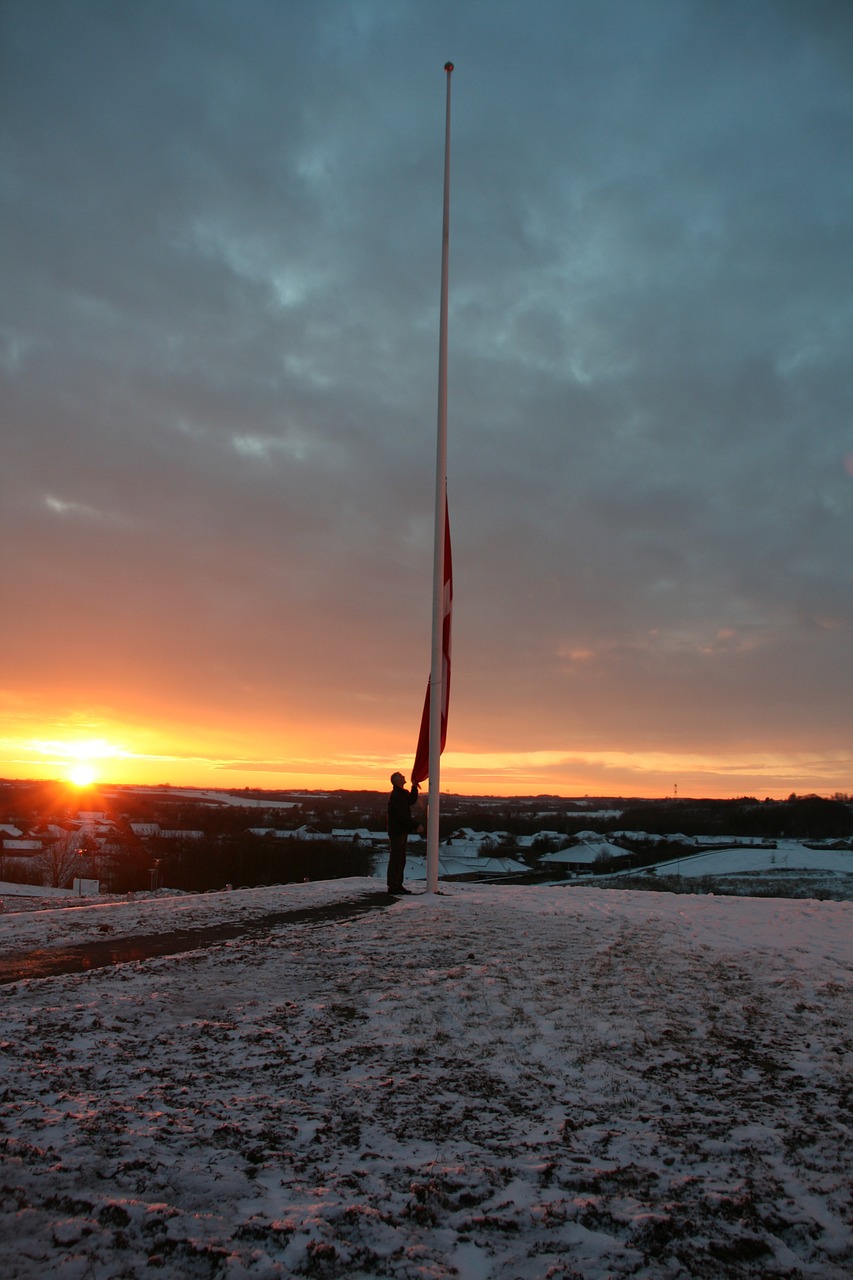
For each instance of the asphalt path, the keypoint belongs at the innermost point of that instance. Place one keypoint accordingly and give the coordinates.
(50, 962)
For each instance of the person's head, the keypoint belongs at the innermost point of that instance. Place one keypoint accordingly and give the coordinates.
(398, 780)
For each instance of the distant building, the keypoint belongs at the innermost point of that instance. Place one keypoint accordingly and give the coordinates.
(153, 831)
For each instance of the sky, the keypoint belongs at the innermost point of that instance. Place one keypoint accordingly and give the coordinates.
(220, 252)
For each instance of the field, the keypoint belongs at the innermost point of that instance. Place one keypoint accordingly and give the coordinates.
(494, 1082)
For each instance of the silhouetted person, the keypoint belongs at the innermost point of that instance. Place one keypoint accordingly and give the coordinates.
(400, 823)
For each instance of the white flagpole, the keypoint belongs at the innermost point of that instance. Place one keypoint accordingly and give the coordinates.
(435, 680)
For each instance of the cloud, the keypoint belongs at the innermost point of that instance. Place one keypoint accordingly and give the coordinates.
(219, 335)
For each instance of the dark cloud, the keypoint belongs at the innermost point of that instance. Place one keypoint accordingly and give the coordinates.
(218, 347)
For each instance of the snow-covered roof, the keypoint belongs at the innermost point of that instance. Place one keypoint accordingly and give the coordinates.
(154, 829)
(451, 863)
(586, 851)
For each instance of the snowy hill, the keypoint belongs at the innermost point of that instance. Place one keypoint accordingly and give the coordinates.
(790, 855)
(502, 1083)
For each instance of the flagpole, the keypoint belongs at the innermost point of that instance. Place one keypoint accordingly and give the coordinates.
(436, 674)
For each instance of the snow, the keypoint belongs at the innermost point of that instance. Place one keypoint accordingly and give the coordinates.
(587, 851)
(788, 855)
(213, 797)
(11, 888)
(453, 860)
(495, 1082)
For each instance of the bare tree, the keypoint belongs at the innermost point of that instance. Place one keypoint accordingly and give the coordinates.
(60, 862)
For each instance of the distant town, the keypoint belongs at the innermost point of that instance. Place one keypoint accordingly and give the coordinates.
(130, 839)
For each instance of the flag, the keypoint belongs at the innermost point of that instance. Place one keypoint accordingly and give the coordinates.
(420, 769)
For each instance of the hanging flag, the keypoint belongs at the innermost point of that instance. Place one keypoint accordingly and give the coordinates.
(420, 769)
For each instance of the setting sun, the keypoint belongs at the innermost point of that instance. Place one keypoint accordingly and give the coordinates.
(80, 761)
(82, 775)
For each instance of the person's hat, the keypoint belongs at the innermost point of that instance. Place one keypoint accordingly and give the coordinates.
(398, 778)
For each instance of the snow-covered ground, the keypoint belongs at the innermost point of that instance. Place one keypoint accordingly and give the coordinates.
(493, 1082)
(790, 855)
(456, 860)
(11, 888)
(207, 796)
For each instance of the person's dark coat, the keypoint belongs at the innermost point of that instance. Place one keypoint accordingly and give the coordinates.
(400, 802)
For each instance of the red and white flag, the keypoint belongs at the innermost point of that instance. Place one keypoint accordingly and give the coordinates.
(420, 769)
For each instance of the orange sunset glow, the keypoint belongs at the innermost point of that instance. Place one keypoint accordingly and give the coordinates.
(129, 756)
(219, 339)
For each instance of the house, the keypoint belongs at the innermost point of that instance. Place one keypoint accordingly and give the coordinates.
(288, 833)
(360, 835)
(143, 829)
(580, 859)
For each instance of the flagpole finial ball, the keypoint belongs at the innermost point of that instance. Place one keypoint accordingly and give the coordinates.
(448, 66)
